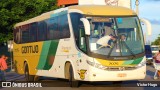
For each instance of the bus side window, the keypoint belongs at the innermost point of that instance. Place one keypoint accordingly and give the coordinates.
(79, 31)
(64, 26)
(33, 32)
(16, 35)
(82, 40)
(25, 34)
(53, 32)
(42, 28)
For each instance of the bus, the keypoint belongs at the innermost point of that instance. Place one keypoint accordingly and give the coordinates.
(155, 49)
(64, 44)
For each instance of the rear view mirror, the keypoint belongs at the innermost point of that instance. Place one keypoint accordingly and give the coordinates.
(148, 26)
(86, 25)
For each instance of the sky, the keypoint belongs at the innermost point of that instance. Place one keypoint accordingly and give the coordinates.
(150, 10)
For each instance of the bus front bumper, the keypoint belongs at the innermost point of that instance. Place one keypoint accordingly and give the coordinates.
(95, 74)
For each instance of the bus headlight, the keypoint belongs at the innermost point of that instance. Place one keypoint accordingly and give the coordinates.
(90, 63)
(96, 65)
(141, 64)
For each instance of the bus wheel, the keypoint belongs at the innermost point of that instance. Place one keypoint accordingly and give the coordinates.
(72, 81)
(26, 72)
(36, 78)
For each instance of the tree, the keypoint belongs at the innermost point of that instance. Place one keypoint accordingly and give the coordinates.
(14, 11)
(157, 41)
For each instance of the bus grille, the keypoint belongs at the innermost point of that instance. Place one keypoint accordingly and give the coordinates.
(119, 68)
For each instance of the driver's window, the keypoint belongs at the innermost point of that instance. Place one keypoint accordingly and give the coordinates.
(82, 40)
(79, 31)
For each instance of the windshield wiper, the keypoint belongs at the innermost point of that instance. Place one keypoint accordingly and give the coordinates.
(111, 50)
(129, 49)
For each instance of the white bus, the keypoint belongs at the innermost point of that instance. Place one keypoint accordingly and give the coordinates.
(81, 43)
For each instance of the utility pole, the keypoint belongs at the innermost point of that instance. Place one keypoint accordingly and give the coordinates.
(145, 21)
(10, 47)
(137, 6)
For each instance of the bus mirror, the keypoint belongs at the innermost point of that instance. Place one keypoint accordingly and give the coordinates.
(148, 26)
(86, 25)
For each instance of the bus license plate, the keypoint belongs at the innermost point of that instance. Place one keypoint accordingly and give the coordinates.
(121, 75)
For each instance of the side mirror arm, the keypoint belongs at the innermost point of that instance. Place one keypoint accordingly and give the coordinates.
(86, 25)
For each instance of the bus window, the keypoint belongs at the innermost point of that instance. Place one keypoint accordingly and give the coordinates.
(33, 32)
(25, 34)
(82, 41)
(127, 28)
(53, 32)
(17, 35)
(79, 32)
(42, 27)
(64, 26)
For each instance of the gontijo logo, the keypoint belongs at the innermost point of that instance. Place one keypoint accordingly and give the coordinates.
(29, 49)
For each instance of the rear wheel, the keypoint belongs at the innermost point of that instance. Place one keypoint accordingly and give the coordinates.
(28, 77)
(72, 81)
(36, 78)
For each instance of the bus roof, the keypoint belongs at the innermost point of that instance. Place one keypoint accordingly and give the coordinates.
(104, 10)
(96, 10)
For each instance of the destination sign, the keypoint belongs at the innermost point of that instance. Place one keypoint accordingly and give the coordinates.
(100, 19)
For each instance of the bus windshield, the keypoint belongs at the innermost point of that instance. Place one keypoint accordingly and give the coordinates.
(118, 36)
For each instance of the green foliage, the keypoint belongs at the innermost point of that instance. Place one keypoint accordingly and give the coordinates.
(157, 41)
(14, 11)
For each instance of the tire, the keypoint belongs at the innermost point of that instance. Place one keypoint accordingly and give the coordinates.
(72, 81)
(28, 77)
(36, 78)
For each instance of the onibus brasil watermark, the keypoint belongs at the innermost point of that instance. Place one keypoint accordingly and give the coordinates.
(21, 84)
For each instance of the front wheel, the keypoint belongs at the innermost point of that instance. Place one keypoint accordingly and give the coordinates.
(72, 81)
(28, 77)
